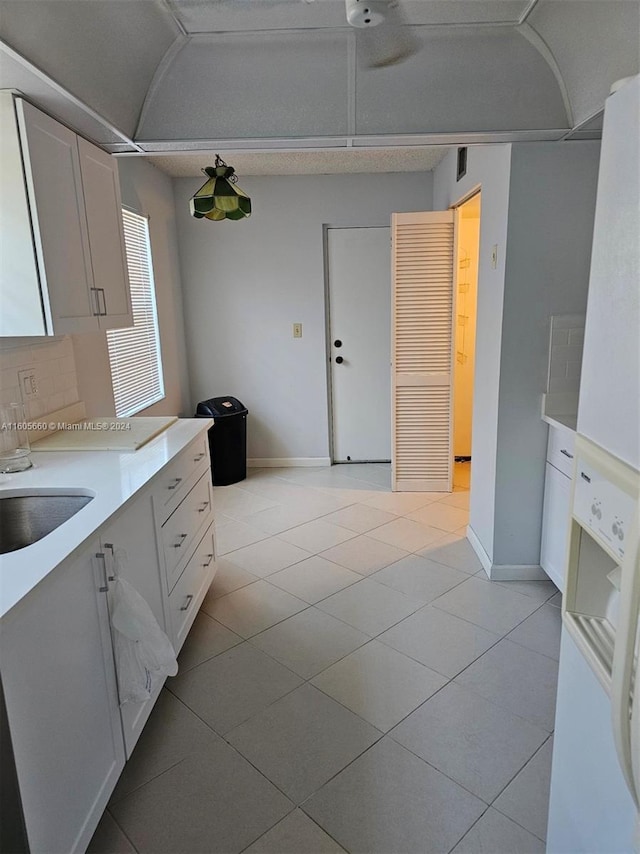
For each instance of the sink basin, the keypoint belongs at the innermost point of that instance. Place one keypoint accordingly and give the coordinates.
(25, 519)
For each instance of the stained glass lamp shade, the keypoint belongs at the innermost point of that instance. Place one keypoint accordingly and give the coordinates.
(220, 198)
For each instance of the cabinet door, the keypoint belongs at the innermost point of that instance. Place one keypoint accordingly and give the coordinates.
(555, 524)
(106, 238)
(59, 681)
(54, 183)
(132, 538)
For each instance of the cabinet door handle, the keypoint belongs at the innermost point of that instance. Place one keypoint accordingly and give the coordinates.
(210, 558)
(204, 507)
(187, 602)
(96, 310)
(102, 313)
(182, 538)
(101, 556)
(198, 458)
(566, 453)
(176, 482)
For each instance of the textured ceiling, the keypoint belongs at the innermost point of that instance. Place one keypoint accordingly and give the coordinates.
(327, 162)
(154, 75)
(205, 16)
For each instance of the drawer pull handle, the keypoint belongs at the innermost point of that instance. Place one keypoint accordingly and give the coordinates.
(204, 507)
(210, 558)
(107, 578)
(101, 557)
(198, 458)
(566, 453)
(187, 602)
(176, 482)
(182, 538)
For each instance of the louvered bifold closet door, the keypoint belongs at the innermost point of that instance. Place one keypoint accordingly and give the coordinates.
(421, 350)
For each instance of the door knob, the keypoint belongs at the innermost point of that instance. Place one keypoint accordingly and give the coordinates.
(337, 343)
(339, 360)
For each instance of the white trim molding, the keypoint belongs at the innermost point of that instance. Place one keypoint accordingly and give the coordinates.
(504, 572)
(287, 462)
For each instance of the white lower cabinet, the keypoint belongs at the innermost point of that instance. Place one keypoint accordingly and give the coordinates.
(59, 681)
(70, 735)
(185, 533)
(557, 505)
(192, 586)
(128, 546)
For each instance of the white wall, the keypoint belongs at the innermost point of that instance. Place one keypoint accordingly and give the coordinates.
(488, 167)
(148, 191)
(245, 284)
(538, 203)
(551, 210)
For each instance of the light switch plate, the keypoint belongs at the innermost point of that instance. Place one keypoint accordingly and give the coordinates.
(28, 382)
(297, 330)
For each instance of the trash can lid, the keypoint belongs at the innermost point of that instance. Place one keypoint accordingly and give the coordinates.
(219, 407)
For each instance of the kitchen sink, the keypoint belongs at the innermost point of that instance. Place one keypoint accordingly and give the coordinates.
(27, 518)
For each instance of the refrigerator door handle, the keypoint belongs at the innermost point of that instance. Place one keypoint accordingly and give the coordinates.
(624, 706)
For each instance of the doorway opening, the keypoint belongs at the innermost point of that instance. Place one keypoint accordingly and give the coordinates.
(465, 311)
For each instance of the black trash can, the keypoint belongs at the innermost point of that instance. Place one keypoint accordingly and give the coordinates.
(227, 438)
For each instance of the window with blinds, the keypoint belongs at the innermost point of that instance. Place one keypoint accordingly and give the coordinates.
(134, 353)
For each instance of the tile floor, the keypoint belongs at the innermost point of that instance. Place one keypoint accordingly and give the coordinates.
(353, 682)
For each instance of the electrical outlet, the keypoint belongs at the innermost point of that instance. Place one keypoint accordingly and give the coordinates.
(297, 330)
(28, 382)
(494, 256)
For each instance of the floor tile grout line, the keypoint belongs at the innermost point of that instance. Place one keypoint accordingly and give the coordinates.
(530, 649)
(440, 608)
(377, 636)
(270, 828)
(121, 829)
(528, 762)
(246, 518)
(155, 776)
(444, 675)
(223, 737)
(467, 832)
(457, 782)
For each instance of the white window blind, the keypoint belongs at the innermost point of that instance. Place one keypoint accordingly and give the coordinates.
(134, 353)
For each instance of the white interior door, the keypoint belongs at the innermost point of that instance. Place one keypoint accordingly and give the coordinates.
(422, 350)
(359, 275)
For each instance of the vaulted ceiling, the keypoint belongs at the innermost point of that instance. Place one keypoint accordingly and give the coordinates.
(176, 75)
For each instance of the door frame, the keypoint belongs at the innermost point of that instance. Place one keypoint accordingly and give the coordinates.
(327, 320)
(455, 206)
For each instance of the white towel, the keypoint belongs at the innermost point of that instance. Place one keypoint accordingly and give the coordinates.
(144, 654)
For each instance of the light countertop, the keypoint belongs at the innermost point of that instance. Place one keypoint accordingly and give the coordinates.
(564, 422)
(111, 477)
(559, 409)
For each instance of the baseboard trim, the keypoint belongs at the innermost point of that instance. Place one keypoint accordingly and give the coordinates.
(478, 548)
(518, 572)
(286, 462)
(504, 571)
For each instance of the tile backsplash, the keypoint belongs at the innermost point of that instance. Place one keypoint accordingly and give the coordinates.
(565, 352)
(53, 363)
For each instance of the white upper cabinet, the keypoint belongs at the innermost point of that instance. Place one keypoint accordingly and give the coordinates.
(106, 236)
(79, 282)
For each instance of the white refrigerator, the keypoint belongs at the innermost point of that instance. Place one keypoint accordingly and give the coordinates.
(595, 781)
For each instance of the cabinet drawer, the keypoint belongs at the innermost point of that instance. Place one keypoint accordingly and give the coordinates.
(171, 482)
(180, 529)
(187, 595)
(561, 450)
